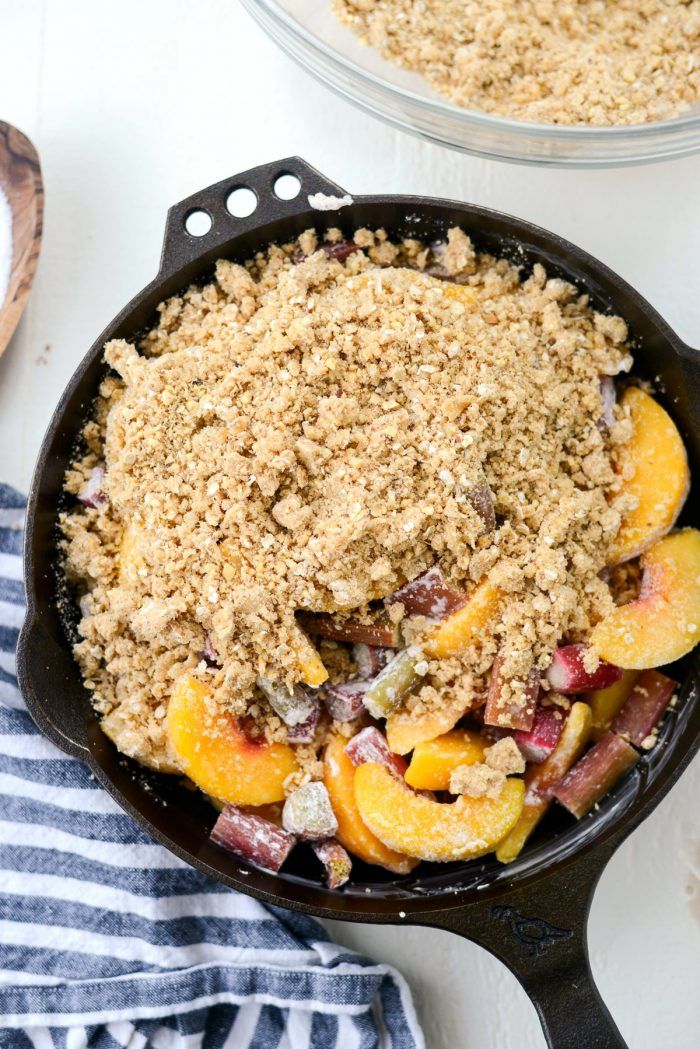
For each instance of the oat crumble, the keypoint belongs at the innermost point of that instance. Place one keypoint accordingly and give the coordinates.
(306, 433)
(601, 62)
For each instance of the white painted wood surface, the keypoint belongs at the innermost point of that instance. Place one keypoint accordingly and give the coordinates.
(134, 105)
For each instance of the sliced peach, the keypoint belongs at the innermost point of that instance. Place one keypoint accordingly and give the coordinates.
(461, 628)
(405, 730)
(427, 829)
(541, 780)
(461, 293)
(217, 755)
(656, 458)
(432, 762)
(131, 553)
(605, 703)
(339, 778)
(311, 669)
(663, 624)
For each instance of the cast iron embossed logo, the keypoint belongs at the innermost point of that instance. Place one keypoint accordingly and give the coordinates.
(534, 933)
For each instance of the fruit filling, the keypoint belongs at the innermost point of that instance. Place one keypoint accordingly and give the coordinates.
(374, 544)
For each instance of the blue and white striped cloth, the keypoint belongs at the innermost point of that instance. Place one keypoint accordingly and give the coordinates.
(107, 940)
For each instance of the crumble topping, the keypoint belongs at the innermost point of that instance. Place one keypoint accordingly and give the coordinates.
(307, 432)
(505, 757)
(591, 61)
(477, 781)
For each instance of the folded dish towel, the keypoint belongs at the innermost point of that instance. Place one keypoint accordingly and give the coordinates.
(108, 940)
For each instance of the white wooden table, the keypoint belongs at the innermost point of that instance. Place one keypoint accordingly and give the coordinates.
(133, 105)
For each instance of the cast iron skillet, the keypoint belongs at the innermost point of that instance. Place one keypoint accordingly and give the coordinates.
(532, 915)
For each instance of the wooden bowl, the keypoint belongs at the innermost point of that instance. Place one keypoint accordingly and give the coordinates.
(21, 182)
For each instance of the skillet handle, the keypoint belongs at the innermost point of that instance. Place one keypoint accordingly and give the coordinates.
(181, 247)
(539, 933)
(65, 723)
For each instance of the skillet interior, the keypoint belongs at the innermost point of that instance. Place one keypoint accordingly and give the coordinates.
(181, 819)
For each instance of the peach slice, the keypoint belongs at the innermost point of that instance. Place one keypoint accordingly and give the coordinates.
(339, 778)
(217, 755)
(656, 458)
(433, 761)
(461, 293)
(427, 829)
(311, 669)
(131, 559)
(405, 730)
(461, 628)
(605, 703)
(541, 780)
(663, 624)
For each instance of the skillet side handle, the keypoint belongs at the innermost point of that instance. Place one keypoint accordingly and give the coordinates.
(539, 933)
(181, 247)
(58, 719)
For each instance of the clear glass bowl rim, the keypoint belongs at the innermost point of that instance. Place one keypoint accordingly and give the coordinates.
(474, 118)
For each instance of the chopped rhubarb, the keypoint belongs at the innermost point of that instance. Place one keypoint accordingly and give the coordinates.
(371, 745)
(92, 492)
(567, 674)
(505, 712)
(305, 731)
(308, 813)
(645, 706)
(344, 701)
(370, 659)
(339, 251)
(480, 497)
(209, 653)
(383, 634)
(608, 396)
(429, 595)
(294, 706)
(252, 838)
(537, 744)
(336, 861)
(595, 774)
(385, 692)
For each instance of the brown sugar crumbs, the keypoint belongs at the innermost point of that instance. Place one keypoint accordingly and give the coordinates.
(305, 434)
(598, 62)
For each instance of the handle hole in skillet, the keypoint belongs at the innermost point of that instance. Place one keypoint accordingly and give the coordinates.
(286, 186)
(241, 202)
(198, 222)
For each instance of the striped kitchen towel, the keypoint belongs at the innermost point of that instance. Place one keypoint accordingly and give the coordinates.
(108, 940)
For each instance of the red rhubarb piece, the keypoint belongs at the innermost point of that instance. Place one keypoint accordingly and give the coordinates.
(370, 659)
(481, 499)
(505, 713)
(252, 838)
(92, 492)
(339, 251)
(307, 812)
(567, 674)
(371, 745)
(344, 701)
(210, 654)
(537, 744)
(305, 731)
(593, 776)
(336, 861)
(644, 707)
(429, 595)
(385, 635)
(608, 396)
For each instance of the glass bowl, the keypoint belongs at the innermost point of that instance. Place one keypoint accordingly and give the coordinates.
(309, 32)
